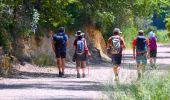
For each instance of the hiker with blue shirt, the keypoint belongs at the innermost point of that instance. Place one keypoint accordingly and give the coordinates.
(81, 53)
(59, 43)
(141, 52)
(152, 48)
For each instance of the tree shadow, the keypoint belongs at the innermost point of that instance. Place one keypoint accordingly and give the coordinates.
(91, 86)
(28, 75)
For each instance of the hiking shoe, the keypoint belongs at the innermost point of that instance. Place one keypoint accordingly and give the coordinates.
(116, 78)
(78, 75)
(60, 74)
(63, 75)
(83, 75)
(155, 66)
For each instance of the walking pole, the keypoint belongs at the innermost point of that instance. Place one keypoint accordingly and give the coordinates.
(87, 62)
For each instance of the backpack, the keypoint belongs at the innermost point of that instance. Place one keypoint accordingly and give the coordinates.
(116, 45)
(80, 48)
(60, 42)
(141, 44)
(152, 43)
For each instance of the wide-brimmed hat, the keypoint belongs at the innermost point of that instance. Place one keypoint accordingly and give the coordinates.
(116, 30)
(79, 33)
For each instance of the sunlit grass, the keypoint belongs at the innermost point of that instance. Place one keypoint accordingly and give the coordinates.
(151, 87)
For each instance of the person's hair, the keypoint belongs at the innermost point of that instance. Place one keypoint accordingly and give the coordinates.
(115, 33)
(61, 29)
(141, 33)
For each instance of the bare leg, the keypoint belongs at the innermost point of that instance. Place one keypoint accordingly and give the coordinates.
(59, 67)
(63, 65)
(59, 64)
(83, 65)
(138, 71)
(116, 72)
(78, 68)
(151, 62)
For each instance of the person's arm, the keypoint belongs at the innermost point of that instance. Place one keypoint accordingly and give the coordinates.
(53, 44)
(134, 48)
(123, 43)
(108, 43)
(67, 43)
(86, 48)
(148, 49)
(74, 43)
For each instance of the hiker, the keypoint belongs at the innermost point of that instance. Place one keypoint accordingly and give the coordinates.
(140, 52)
(60, 42)
(81, 53)
(115, 47)
(152, 48)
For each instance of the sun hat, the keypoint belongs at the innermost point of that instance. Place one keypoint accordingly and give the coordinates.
(79, 33)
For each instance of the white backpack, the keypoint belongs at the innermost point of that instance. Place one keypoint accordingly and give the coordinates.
(116, 45)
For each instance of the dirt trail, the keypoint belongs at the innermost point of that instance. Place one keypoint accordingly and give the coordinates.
(34, 83)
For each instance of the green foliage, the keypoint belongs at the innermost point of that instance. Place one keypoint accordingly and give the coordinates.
(162, 36)
(43, 60)
(129, 34)
(168, 25)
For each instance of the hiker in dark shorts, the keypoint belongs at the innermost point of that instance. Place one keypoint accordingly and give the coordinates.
(60, 41)
(115, 46)
(141, 52)
(152, 48)
(81, 53)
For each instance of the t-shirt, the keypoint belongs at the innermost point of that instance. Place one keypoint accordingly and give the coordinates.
(65, 38)
(134, 43)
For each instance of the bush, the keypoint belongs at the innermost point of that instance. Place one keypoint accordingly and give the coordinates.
(162, 36)
(168, 26)
(129, 34)
(43, 60)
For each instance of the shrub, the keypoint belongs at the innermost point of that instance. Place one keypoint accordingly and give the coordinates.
(129, 34)
(151, 87)
(43, 60)
(168, 26)
(162, 36)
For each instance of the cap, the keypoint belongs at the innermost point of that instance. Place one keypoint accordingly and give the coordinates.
(61, 29)
(141, 31)
(116, 30)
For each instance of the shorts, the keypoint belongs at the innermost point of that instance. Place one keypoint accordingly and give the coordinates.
(153, 53)
(60, 54)
(141, 58)
(80, 57)
(117, 59)
(81, 64)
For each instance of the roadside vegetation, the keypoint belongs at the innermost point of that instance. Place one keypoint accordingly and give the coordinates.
(152, 87)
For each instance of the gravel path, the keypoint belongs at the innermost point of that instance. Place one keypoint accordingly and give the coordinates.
(35, 83)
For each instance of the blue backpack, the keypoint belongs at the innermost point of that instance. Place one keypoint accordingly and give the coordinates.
(141, 45)
(80, 46)
(60, 41)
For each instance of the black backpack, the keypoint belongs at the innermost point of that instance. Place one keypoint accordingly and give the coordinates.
(60, 41)
(141, 44)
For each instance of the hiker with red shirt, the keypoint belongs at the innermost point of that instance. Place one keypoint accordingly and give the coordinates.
(81, 53)
(115, 46)
(152, 48)
(141, 52)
